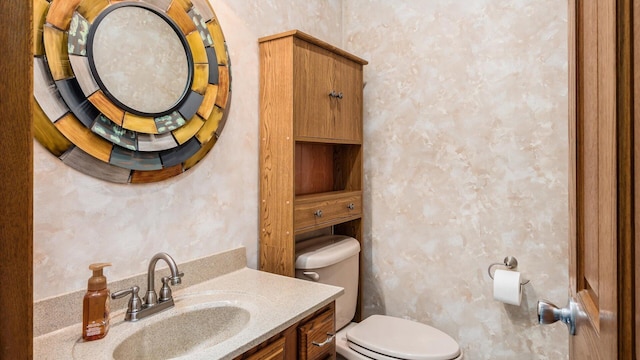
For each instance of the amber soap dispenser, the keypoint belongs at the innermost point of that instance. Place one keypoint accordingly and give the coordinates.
(95, 311)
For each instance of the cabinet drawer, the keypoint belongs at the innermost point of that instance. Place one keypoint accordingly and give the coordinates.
(273, 351)
(316, 337)
(325, 210)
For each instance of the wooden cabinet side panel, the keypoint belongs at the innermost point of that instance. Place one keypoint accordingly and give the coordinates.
(348, 167)
(277, 252)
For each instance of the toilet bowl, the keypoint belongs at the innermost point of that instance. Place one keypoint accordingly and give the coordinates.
(333, 260)
(387, 337)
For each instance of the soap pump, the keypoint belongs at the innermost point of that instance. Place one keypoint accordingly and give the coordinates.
(95, 312)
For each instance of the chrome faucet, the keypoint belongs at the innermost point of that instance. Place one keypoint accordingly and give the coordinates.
(152, 304)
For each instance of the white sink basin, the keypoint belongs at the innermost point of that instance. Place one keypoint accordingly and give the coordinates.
(199, 323)
(183, 333)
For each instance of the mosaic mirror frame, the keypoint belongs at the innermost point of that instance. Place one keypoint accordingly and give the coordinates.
(80, 123)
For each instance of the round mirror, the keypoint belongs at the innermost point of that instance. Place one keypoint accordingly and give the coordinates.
(140, 59)
(129, 91)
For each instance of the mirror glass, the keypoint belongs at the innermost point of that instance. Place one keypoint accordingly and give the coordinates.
(140, 59)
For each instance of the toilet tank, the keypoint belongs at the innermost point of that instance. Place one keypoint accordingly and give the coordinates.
(332, 260)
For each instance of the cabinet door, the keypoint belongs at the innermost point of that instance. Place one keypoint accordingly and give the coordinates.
(313, 73)
(347, 109)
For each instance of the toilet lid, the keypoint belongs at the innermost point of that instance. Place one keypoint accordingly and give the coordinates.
(403, 339)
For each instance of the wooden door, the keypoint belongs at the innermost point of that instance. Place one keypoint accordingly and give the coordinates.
(601, 192)
(16, 172)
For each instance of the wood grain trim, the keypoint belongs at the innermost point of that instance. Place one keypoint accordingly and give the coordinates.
(607, 229)
(277, 246)
(308, 38)
(636, 168)
(16, 192)
(625, 143)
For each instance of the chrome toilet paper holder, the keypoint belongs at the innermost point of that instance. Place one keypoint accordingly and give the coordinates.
(510, 263)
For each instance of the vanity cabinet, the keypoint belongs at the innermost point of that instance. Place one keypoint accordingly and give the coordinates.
(309, 339)
(311, 100)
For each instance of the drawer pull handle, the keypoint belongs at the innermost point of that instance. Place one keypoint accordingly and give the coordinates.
(318, 213)
(351, 206)
(330, 338)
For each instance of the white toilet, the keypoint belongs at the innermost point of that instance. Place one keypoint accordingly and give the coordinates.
(333, 260)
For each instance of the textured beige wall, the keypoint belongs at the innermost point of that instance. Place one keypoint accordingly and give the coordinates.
(212, 207)
(465, 163)
(465, 125)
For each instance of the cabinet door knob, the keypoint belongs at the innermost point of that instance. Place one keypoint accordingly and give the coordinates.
(334, 94)
(318, 213)
(351, 206)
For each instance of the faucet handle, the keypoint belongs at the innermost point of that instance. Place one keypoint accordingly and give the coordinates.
(135, 304)
(165, 291)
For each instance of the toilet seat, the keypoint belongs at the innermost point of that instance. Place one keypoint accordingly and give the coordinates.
(386, 337)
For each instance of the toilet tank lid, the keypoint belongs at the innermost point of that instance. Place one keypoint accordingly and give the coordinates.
(325, 251)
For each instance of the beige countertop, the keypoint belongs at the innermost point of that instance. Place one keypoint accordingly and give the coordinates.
(274, 303)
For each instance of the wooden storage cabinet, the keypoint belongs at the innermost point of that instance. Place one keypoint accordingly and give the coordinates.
(310, 339)
(311, 103)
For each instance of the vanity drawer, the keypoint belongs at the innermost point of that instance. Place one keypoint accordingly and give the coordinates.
(316, 338)
(326, 209)
(273, 351)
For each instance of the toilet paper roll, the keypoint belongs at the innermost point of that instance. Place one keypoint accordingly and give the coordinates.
(506, 287)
